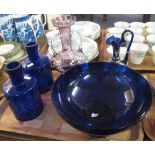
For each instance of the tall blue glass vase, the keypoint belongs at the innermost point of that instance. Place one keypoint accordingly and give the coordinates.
(21, 91)
(39, 67)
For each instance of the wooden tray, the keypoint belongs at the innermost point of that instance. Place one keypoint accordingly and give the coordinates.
(149, 120)
(50, 125)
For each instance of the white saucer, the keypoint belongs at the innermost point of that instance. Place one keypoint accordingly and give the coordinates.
(6, 48)
(87, 29)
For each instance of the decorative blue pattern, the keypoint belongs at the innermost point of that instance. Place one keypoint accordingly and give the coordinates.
(7, 27)
(25, 31)
(38, 27)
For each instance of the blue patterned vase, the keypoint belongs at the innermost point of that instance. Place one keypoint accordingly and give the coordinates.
(22, 94)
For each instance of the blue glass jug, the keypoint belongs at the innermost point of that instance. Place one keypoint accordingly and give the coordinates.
(22, 94)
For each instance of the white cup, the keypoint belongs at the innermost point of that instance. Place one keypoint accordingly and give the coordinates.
(136, 30)
(153, 54)
(150, 30)
(122, 53)
(137, 24)
(137, 52)
(150, 24)
(121, 24)
(150, 40)
(137, 38)
(115, 30)
(116, 35)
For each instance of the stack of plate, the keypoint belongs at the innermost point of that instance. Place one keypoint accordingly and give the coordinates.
(87, 29)
(12, 51)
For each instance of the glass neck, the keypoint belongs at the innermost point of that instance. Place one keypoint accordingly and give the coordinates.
(65, 33)
(33, 53)
(16, 77)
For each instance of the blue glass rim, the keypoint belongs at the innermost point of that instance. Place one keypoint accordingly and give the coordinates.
(13, 66)
(31, 44)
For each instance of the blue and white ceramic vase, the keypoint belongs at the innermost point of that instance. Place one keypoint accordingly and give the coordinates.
(38, 25)
(39, 67)
(22, 94)
(7, 27)
(24, 28)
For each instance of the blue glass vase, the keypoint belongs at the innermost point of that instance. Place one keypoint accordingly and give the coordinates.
(39, 67)
(21, 91)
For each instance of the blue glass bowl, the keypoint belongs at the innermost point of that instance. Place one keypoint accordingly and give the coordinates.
(101, 98)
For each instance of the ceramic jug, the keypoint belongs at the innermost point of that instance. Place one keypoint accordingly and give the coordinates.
(24, 28)
(7, 27)
(21, 92)
(38, 25)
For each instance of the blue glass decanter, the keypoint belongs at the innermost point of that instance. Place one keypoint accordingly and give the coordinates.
(39, 67)
(22, 94)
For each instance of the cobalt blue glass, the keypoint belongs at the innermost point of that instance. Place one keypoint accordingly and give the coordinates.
(39, 67)
(22, 94)
(101, 98)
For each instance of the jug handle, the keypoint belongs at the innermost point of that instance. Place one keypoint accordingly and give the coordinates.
(51, 45)
(45, 19)
(1, 35)
(128, 48)
(80, 40)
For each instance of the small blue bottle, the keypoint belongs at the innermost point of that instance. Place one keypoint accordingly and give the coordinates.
(22, 94)
(39, 67)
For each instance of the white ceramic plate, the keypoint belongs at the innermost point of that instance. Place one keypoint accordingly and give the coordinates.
(89, 47)
(19, 57)
(87, 29)
(6, 48)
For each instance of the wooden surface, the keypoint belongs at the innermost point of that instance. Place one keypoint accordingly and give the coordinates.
(49, 124)
(149, 120)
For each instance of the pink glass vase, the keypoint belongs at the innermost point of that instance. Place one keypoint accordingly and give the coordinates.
(68, 57)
